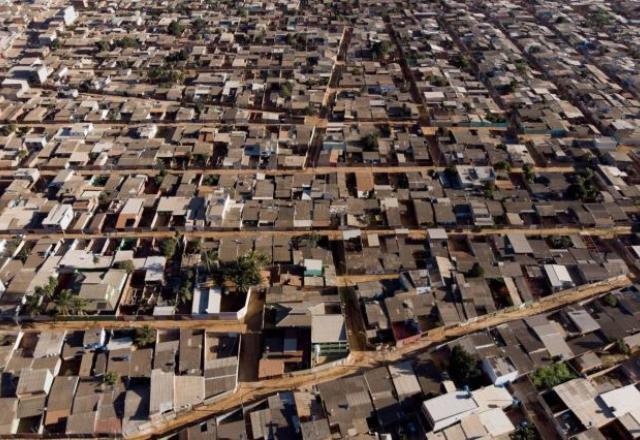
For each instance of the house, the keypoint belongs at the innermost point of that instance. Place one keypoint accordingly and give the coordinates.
(162, 397)
(206, 300)
(382, 392)
(404, 379)
(470, 177)
(60, 400)
(455, 406)
(49, 344)
(347, 404)
(102, 291)
(277, 417)
(188, 391)
(69, 15)
(9, 420)
(94, 338)
(313, 267)
(364, 184)
(34, 382)
(59, 218)
(328, 335)
(581, 397)
(558, 277)
(624, 404)
(154, 269)
(218, 204)
(418, 280)
(519, 244)
(582, 320)
(130, 214)
(499, 369)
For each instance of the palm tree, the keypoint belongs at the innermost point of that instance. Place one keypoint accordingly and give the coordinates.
(62, 303)
(185, 295)
(78, 305)
(210, 258)
(245, 271)
(144, 336)
(32, 304)
(66, 303)
(48, 289)
(168, 247)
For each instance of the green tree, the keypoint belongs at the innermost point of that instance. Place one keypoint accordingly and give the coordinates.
(32, 305)
(165, 76)
(245, 271)
(126, 265)
(525, 432)
(583, 187)
(461, 61)
(511, 87)
(161, 173)
(66, 303)
(103, 46)
(527, 169)
(23, 254)
(194, 246)
(576, 191)
(175, 28)
(144, 336)
(11, 247)
(611, 300)
(210, 259)
(489, 189)
(199, 24)
(370, 142)
(552, 375)
(381, 49)
(168, 247)
(110, 378)
(502, 165)
(211, 180)
(476, 271)
(47, 291)
(174, 57)
(600, 18)
(127, 42)
(622, 347)
(561, 242)
(587, 156)
(286, 89)
(6, 130)
(185, 295)
(463, 368)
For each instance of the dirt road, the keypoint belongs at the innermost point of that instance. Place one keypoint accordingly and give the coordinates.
(335, 234)
(360, 361)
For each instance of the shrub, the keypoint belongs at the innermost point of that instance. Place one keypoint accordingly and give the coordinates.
(144, 336)
(110, 378)
(463, 368)
(549, 377)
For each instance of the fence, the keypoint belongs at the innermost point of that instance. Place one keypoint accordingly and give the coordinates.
(222, 316)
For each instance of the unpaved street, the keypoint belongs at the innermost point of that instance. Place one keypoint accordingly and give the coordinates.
(360, 361)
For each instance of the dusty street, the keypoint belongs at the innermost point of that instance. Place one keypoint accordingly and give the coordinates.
(360, 361)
